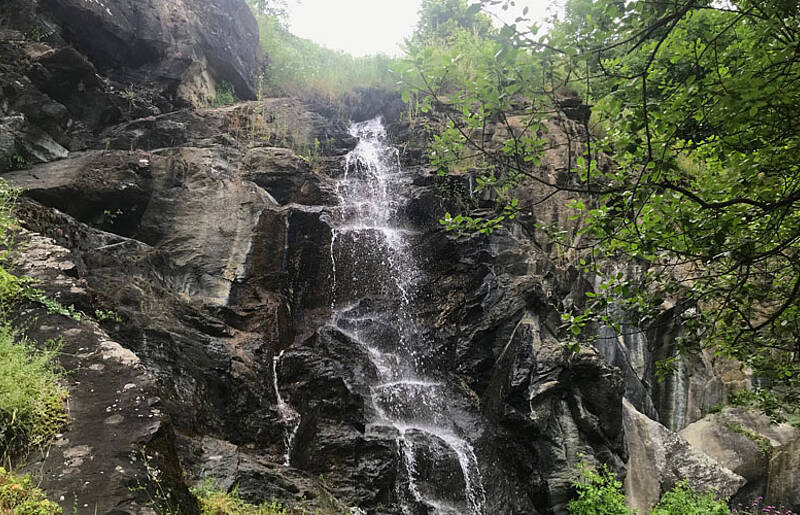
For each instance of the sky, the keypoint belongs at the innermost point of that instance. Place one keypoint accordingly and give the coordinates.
(363, 27)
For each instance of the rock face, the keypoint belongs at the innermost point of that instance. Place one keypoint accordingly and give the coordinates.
(72, 68)
(212, 235)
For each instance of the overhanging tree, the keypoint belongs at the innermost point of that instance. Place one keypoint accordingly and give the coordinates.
(699, 104)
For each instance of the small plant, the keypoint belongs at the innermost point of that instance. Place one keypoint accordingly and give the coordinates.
(17, 162)
(19, 496)
(225, 95)
(154, 485)
(682, 499)
(105, 315)
(108, 217)
(599, 493)
(215, 501)
(54, 307)
(312, 153)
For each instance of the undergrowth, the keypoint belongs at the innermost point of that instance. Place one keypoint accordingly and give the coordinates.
(599, 492)
(214, 501)
(31, 399)
(19, 496)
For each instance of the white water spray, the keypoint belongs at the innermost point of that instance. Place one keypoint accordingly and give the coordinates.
(371, 252)
(289, 417)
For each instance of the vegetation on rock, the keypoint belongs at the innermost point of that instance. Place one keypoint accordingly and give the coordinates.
(19, 496)
(215, 501)
(600, 493)
(32, 407)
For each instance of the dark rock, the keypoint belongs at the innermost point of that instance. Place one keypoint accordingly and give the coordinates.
(171, 43)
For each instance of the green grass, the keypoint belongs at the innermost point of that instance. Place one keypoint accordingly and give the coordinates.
(300, 67)
(214, 501)
(19, 496)
(32, 409)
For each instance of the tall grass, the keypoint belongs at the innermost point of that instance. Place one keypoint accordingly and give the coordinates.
(300, 67)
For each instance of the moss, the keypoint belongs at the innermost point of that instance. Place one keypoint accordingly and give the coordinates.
(18, 496)
(764, 445)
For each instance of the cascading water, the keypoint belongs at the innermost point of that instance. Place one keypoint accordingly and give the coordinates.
(375, 281)
(290, 417)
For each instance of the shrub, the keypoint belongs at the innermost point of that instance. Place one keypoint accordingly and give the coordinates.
(20, 497)
(599, 493)
(683, 500)
(225, 96)
(214, 501)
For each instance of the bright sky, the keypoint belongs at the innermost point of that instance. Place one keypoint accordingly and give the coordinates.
(363, 27)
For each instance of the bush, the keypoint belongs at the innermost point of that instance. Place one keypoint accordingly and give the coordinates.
(214, 501)
(225, 95)
(599, 493)
(20, 497)
(683, 500)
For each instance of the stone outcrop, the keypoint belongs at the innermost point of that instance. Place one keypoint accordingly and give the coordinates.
(752, 446)
(119, 438)
(71, 68)
(660, 458)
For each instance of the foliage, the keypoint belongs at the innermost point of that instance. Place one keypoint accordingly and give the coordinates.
(19, 496)
(32, 407)
(763, 443)
(214, 501)
(224, 96)
(599, 493)
(682, 499)
(442, 20)
(302, 68)
(697, 104)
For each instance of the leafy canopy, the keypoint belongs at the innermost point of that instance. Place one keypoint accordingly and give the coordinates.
(698, 104)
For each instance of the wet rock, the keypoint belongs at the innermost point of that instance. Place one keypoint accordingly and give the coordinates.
(118, 434)
(164, 41)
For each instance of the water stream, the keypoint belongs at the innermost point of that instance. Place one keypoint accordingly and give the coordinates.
(376, 281)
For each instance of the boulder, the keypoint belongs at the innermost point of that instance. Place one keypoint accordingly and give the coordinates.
(659, 458)
(752, 446)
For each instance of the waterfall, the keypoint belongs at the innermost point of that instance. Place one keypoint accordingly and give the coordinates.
(375, 281)
(289, 417)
